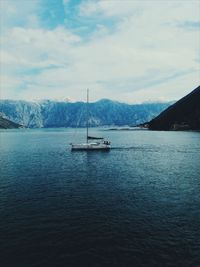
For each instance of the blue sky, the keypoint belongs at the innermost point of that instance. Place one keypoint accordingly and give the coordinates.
(126, 50)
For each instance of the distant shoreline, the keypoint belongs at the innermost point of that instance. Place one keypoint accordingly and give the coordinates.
(120, 129)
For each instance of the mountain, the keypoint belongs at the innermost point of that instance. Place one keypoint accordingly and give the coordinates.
(7, 124)
(183, 115)
(65, 114)
(22, 112)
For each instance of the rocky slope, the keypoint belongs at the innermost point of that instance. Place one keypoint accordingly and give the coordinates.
(7, 124)
(65, 114)
(183, 115)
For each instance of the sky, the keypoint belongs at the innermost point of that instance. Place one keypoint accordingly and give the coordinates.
(126, 50)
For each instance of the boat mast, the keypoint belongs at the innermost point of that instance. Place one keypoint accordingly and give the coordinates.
(87, 121)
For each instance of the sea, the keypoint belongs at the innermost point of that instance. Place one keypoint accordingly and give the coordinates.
(137, 205)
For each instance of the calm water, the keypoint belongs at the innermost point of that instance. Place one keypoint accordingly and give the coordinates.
(137, 205)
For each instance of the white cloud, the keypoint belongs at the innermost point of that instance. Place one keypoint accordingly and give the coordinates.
(144, 55)
(36, 48)
(18, 13)
(109, 8)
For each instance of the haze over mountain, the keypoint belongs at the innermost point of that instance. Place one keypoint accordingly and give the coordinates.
(183, 115)
(65, 114)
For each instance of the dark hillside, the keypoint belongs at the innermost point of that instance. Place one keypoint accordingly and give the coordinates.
(7, 124)
(183, 115)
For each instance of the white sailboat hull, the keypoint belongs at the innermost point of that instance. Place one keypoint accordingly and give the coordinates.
(90, 146)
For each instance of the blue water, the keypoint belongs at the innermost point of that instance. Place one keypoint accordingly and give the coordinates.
(137, 205)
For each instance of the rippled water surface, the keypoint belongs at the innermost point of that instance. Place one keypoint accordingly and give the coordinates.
(137, 205)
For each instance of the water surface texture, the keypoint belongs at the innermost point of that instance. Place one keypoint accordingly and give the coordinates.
(137, 205)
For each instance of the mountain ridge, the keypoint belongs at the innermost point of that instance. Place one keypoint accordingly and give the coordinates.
(104, 112)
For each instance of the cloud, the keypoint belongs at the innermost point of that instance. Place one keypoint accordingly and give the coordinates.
(36, 48)
(18, 13)
(109, 8)
(133, 51)
(190, 25)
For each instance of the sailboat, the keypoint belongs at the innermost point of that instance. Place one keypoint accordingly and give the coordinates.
(101, 144)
